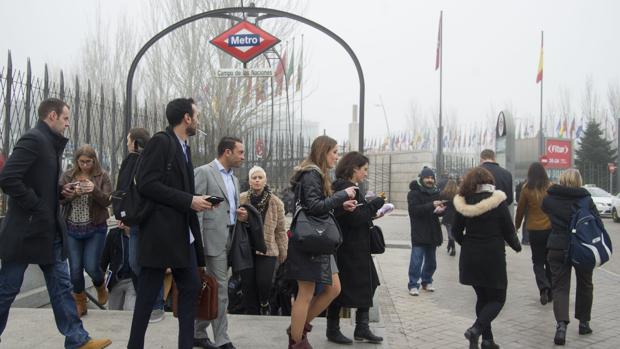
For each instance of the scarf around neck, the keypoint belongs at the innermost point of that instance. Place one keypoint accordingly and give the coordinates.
(261, 202)
(425, 189)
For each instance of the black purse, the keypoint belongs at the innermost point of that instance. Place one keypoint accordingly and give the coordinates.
(314, 235)
(377, 242)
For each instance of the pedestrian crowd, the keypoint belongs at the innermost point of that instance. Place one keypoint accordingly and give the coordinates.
(196, 223)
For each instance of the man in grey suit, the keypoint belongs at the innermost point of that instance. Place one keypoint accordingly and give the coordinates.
(216, 225)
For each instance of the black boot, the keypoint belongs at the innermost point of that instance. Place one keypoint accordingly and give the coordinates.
(473, 335)
(584, 327)
(333, 332)
(488, 344)
(560, 333)
(362, 330)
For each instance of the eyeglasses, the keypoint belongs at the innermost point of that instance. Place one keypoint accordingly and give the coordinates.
(85, 162)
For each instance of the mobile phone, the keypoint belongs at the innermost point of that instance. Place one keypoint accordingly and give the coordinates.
(214, 200)
(74, 184)
(359, 204)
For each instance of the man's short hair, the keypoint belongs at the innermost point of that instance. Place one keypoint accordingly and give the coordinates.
(49, 105)
(487, 154)
(227, 142)
(177, 108)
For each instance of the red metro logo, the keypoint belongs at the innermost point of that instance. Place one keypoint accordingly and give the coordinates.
(245, 41)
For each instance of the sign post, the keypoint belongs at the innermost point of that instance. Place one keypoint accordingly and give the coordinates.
(612, 169)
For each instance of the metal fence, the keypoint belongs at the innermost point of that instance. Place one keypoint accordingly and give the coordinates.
(97, 118)
(598, 174)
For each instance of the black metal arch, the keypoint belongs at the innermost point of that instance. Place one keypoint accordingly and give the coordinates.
(226, 13)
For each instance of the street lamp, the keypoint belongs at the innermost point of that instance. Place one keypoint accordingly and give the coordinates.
(387, 125)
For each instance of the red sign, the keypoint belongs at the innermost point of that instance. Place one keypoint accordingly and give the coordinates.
(244, 41)
(612, 167)
(544, 160)
(260, 148)
(559, 153)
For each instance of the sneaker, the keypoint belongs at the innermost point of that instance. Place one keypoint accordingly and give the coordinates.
(157, 315)
(414, 291)
(428, 287)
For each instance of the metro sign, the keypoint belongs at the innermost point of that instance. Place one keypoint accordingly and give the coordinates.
(245, 41)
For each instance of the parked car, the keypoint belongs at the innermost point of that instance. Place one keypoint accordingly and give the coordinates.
(602, 200)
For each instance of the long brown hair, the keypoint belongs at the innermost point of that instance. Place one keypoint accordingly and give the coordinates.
(473, 178)
(450, 190)
(321, 146)
(537, 178)
(89, 152)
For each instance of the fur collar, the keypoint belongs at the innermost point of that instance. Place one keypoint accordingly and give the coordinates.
(481, 207)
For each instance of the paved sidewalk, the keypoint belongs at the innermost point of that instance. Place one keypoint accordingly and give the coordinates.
(439, 319)
(432, 320)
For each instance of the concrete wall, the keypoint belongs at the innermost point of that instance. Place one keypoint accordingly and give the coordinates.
(392, 172)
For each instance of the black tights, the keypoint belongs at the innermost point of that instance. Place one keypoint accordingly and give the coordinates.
(490, 302)
(256, 283)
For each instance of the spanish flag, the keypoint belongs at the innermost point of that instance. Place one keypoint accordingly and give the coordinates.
(539, 76)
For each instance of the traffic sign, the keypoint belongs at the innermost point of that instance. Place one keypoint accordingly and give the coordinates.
(544, 160)
(245, 41)
(612, 167)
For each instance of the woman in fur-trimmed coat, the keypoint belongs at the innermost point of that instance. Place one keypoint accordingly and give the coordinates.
(481, 226)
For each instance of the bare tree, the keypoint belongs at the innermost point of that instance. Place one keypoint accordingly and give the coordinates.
(590, 106)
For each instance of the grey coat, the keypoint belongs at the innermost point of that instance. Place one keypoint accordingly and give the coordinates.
(214, 223)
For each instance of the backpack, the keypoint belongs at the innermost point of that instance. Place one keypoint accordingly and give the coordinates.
(127, 204)
(590, 245)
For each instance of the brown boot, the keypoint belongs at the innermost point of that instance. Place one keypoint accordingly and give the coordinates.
(303, 344)
(80, 302)
(96, 344)
(102, 294)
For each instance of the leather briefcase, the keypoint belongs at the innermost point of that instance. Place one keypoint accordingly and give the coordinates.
(206, 305)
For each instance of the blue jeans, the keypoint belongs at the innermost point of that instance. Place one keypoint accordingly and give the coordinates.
(85, 254)
(422, 265)
(59, 290)
(133, 264)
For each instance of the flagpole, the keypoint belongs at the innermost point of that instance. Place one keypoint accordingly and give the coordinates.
(541, 142)
(440, 168)
(301, 96)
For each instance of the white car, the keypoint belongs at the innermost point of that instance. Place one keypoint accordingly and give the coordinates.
(602, 200)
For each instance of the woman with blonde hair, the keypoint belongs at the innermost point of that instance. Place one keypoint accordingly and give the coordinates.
(258, 284)
(86, 215)
(559, 205)
(313, 191)
(537, 224)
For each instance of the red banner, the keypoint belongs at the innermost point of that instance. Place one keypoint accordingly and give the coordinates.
(559, 152)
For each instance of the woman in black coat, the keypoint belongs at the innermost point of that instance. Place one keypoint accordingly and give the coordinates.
(313, 191)
(559, 205)
(358, 276)
(481, 211)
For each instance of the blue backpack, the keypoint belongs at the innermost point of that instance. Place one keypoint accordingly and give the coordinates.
(590, 246)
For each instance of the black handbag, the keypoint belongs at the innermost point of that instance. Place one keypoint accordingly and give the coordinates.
(314, 235)
(377, 242)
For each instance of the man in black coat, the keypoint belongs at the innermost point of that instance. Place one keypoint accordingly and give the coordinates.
(33, 230)
(424, 209)
(169, 236)
(503, 178)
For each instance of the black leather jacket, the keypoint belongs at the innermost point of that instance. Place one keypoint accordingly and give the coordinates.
(300, 265)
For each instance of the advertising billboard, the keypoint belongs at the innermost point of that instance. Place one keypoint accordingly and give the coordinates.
(559, 153)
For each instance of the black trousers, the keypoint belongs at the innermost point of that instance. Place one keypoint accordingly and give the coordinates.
(561, 273)
(542, 270)
(333, 311)
(490, 302)
(149, 284)
(256, 283)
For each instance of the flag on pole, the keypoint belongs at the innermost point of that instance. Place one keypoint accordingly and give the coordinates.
(539, 76)
(279, 74)
(438, 53)
(299, 66)
(291, 66)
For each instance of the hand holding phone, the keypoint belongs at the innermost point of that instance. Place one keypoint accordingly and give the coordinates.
(214, 200)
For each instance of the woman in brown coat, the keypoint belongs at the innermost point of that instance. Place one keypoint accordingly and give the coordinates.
(537, 224)
(271, 209)
(86, 215)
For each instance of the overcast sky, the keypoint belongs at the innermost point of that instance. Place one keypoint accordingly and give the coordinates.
(490, 55)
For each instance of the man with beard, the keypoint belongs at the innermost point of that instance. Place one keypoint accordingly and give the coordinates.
(169, 236)
(217, 179)
(424, 210)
